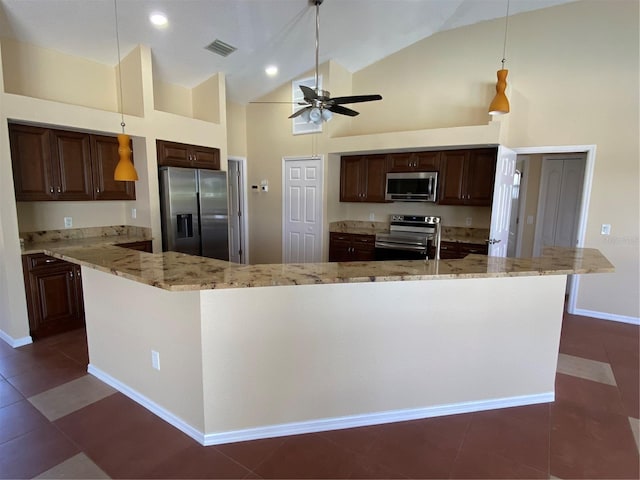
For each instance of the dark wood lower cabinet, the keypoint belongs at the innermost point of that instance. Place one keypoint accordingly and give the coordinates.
(457, 250)
(54, 295)
(143, 246)
(350, 247)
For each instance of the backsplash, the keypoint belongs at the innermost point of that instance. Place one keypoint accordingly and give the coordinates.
(89, 232)
(359, 226)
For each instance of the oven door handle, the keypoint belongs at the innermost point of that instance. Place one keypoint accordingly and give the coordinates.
(395, 246)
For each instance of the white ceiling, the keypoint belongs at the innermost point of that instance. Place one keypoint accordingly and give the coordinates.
(355, 33)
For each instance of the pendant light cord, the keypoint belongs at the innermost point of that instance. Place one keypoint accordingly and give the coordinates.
(506, 27)
(317, 41)
(122, 124)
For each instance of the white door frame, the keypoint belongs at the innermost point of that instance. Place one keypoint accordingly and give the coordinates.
(590, 151)
(284, 206)
(244, 243)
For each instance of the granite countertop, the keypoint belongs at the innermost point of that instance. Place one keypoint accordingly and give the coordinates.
(180, 272)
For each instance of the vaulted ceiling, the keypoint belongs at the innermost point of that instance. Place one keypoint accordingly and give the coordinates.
(355, 33)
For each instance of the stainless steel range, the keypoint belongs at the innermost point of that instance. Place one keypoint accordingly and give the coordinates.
(410, 237)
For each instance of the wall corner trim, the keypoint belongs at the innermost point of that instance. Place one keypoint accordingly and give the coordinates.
(15, 342)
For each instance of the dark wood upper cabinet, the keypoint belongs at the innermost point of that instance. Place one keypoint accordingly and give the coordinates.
(71, 156)
(104, 151)
(414, 162)
(467, 177)
(53, 164)
(174, 154)
(363, 178)
(31, 162)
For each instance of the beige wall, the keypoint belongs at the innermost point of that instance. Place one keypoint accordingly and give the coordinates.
(236, 129)
(561, 60)
(66, 105)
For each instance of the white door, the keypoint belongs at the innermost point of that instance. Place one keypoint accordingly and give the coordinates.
(237, 230)
(561, 182)
(302, 210)
(502, 200)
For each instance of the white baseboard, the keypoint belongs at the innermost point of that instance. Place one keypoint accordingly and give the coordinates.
(607, 316)
(321, 425)
(147, 403)
(15, 342)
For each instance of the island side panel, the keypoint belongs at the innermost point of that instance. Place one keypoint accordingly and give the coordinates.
(126, 320)
(275, 356)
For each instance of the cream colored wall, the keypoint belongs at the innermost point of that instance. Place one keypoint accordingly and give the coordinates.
(143, 123)
(120, 343)
(206, 100)
(334, 332)
(436, 94)
(50, 75)
(172, 98)
(236, 129)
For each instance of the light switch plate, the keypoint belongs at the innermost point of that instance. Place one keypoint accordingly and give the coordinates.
(605, 229)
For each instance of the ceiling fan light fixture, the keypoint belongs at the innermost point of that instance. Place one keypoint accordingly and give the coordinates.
(315, 115)
(327, 114)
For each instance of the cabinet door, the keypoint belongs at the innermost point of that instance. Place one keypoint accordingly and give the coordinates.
(173, 154)
(427, 161)
(449, 251)
(401, 162)
(71, 155)
(376, 178)
(339, 247)
(351, 179)
(480, 177)
(31, 161)
(363, 248)
(104, 155)
(452, 171)
(55, 305)
(205, 157)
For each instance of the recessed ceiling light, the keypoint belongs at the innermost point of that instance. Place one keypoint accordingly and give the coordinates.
(271, 70)
(158, 19)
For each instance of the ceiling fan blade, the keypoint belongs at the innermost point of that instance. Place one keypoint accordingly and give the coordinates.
(309, 93)
(343, 110)
(355, 99)
(300, 112)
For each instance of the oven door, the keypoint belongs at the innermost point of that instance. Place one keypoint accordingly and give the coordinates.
(397, 251)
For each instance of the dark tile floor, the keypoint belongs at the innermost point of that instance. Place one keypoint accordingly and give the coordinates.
(586, 433)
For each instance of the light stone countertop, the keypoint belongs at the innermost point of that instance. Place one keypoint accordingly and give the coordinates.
(44, 246)
(180, 272)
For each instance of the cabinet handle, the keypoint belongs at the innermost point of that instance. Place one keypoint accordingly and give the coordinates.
(50, 189)
(59, 190)
(71, 274)
(49, 260)
(97, 190)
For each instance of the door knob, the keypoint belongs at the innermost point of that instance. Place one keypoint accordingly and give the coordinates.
(493, 241)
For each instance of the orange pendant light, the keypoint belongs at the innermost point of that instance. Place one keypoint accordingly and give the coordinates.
(125, 171)
(500, 103)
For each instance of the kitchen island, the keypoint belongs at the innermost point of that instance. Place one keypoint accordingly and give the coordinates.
(265, 350)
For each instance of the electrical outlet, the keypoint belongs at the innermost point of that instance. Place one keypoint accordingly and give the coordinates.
(68, 222)
(529, 219)
(468, 221)
(605, 229)
(372, 217)
(155, 359)
(134, 213)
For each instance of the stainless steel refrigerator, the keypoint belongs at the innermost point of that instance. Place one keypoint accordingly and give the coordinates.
(193, 208)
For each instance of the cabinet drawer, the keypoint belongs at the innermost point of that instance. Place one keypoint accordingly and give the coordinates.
(41, 260)
(364, 239)
(475, 248)
(142, 246)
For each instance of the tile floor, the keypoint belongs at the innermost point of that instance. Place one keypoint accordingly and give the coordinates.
(58, 422)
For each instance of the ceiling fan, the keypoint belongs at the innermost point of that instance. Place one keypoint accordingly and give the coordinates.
(319, 106)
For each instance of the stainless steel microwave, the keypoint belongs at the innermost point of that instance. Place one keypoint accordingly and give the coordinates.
(412, 187)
